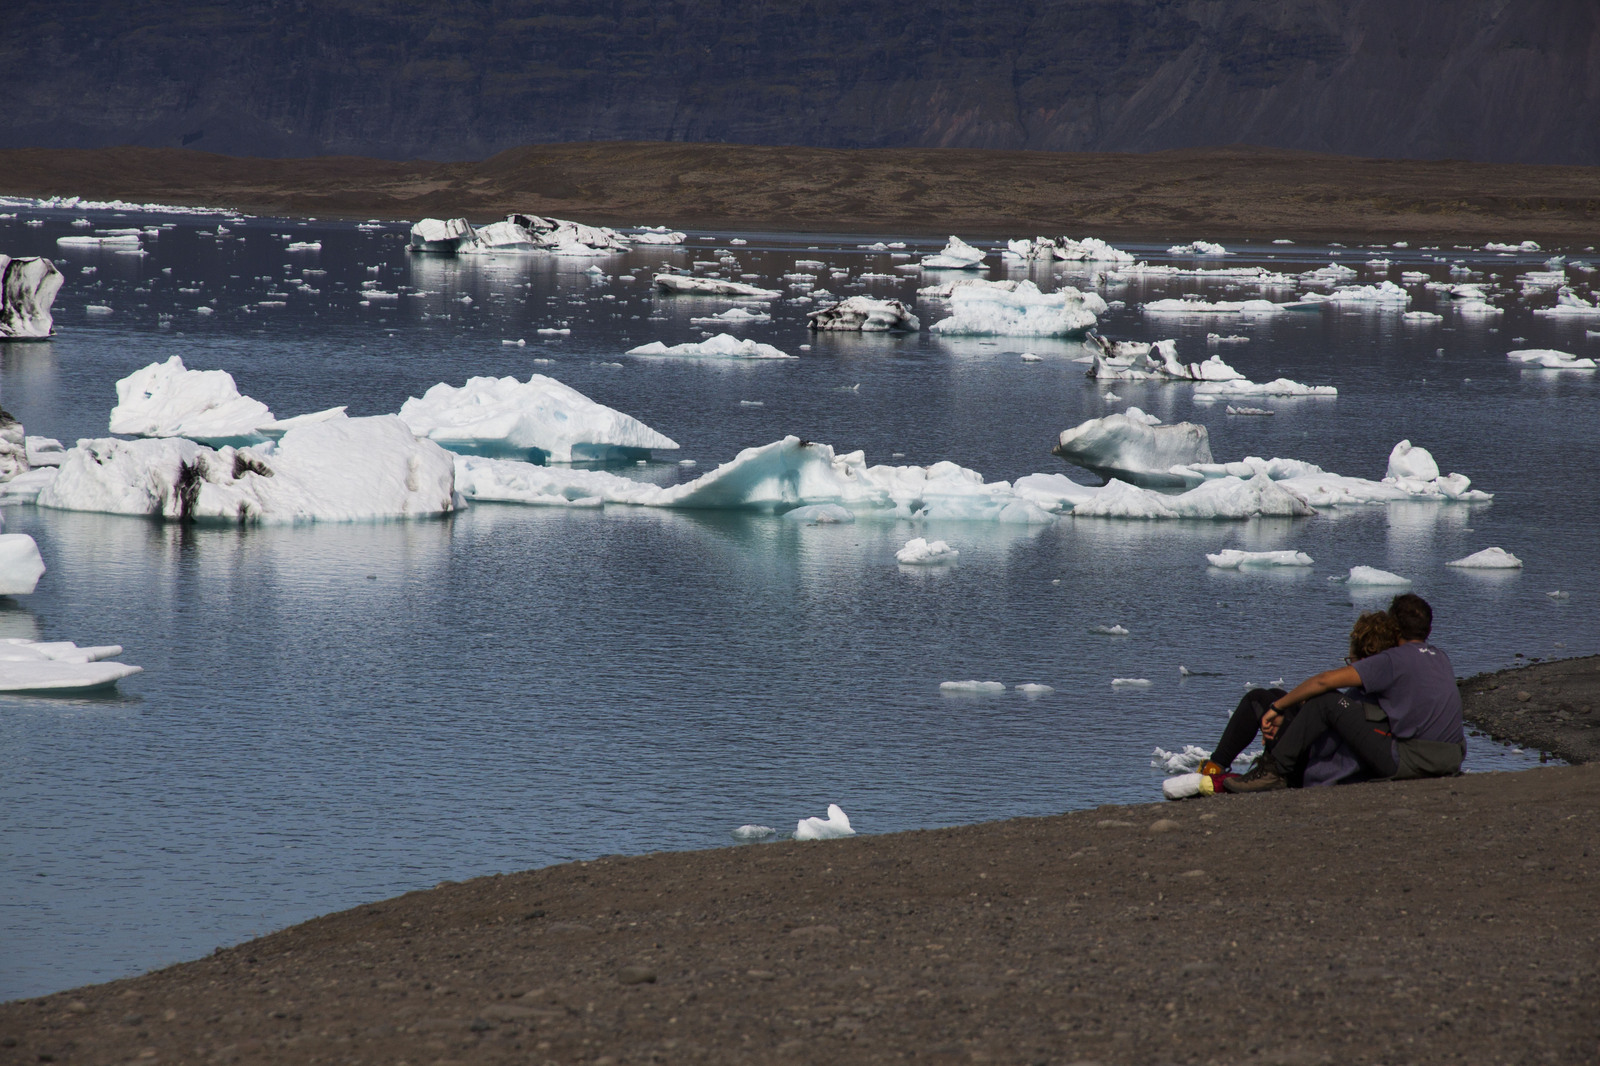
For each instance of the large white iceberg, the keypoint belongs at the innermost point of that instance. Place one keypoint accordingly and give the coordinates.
(540, 419)
(1046, 249)
(986, 310)
(865, 315)
(518, 233)
(1488, 559)
(1549, 359)
(1413, 470)
(686, 285)
(722, 346)
(957, 255)
(170, 400)
(1139, 361)
(1383, 294)
(346, 469)
(21, 566)
(28, 287)
(59, 666)
(1236, 559)
(1133, 447)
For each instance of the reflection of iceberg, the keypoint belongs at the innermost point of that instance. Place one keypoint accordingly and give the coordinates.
(346, 469)
(991, 310)
(540, 419)
(59, 666)
(28, 287)
(170, 400)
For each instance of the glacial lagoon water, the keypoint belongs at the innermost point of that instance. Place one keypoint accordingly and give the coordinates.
(331, 714)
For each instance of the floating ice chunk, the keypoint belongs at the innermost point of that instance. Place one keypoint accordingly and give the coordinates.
(1525, 246)
(20, 564)
(116, 240)
(1489, 559)
(169, 400)
(1477, 308)
(722, 346)
(1179, 762)
(340, 470)
(753, 832)
(59, 666)
(683, 284)
(305, 246)
(1030, 357)
(1196, 306)
(1368, 575)
(28, 288)
(1215, 339)
(985, 310)
(1128, 447)
(1569, 305)
(540, 419)
(1131, 682)
(1045, 249)
(1217, 391)
(944, 290)
(821, 514)
(1109, 631)
(43, 451)
(1383, 294)
(1421, 317)
(733, 316)
(1549, 359)
(920, 552)
(97, 309)
(836, 825)
(1558, 595)
(1138, 361)
(1407, 461)
(1197, 248)
(957, 255)
(864, 314)
(1232, 410)
(440, 235)
(1235, 559)
(971, 688)
(1033, 691)
(1332, 273)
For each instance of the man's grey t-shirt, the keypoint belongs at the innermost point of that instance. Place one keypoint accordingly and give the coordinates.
(1416, 686)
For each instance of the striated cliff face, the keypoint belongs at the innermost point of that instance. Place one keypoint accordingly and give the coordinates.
(1493, 80)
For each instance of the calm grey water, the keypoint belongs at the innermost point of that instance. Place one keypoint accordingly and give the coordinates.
(332, 714)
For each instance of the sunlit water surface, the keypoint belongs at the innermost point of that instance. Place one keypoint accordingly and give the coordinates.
(334, 714)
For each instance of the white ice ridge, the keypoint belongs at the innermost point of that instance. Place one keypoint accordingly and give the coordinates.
(1383, 294)
(1371, 575)
(1258, 276)
(169, 400)
(733, 316)
(112, 240)
(685, 285)
(1139, 361)
(347, 469)
(920, 552)
(722, 346)
(526, 234)
(972, 688)
(834, 826)
(68, 203)
(1218, 391)
(59, 666)
(1525, 246)
(865, 315)
(1088, 250)
(992, 310)
(1132, 447)
(1197, 306)
(1487, 559)
(1197, 248)
(28, 287)
(1549, 359)
(957, 255)
(1235, 559)
(540, 419)
(20, 564)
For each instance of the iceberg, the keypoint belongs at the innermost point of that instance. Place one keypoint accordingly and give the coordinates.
(1383, 294)
(1197, 306)
(1034, 691)
(541, 420)
(59, 666)
(722, 346)
(1228, 498)
(733, 316)
(1130, 447)
(1046, 249)
(440, 235)
(1197, 248)
(1488, 559)
(1234, 559)
(920, 552)
(1414, 471)
(971, 688)
(1369, 575)
(655, 235)
(957, 255)
(1525, 246)
(1217, 391)
(1569, 305)
(987, 310)
(517, 233)
(21, 566)
(341, 470)
(115, 240)
(1138, 361)
(836, 825)
(14, 458)
(170, 400)
(1259, 276)
(685, 285)
(866, 315)
(28, 288)
(1549, 359)
(1333, 272)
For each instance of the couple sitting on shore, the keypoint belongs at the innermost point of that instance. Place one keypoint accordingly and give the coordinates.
(1398, 715)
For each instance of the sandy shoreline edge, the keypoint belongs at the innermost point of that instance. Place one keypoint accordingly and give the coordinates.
(1217, 194)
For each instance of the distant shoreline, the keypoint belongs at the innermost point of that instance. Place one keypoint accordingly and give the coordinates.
(1214, 194)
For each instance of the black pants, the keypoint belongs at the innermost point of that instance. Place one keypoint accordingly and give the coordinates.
(1243, 725)
(1337, 713)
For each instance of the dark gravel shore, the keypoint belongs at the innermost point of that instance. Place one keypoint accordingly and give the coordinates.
(1218, 193)
(1553, 706)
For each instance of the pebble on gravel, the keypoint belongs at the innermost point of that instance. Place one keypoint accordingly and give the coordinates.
(1164, 825)
(636, 975)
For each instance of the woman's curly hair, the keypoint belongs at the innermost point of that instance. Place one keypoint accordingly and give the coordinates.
(1373, 632)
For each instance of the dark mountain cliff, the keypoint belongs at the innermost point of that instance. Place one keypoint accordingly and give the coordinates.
(1495, 80)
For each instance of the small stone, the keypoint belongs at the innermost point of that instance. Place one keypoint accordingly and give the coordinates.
(1524, 697)
(636, 975)
(133, 1019)
(480, 1025)
(1164, 825)
(78, 1006)
(761, 975)
(1193, 873)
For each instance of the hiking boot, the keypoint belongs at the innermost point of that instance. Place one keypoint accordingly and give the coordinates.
(1264, 778)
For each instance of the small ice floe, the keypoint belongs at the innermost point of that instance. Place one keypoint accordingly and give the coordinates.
(553, 331)
(1213, 340)
(305, 246)
(687, 462)
(919, 552)
(957, 255)
(519, 343)
(820, 514)
(1033, 691)
(753, 832)
(722, 346)
(1558, 595)
(971, 688)
(1030, 357)
(60, 666)
(1570, 305)
(1421, 317)
(1219, 391)
(862, 314)
(1183, 762)
(750, 403)
(1257, 411)
(733, 316)
(1019, 311)
(1549, 359)
(116, 240)
(834, 826)
(1130, 682)
(1109, 631)
(28, 288)
(21, 567)
(683, 284)
(1197, 248)
(1383, 294)
(1372, 576)
(1158, 361)
(1197, 306)
(1488, 559)
(1234, 559)
(1525, 246)
(1332, 273)
(1413, 470)
(97, 309)
(1049, 249)
(1183, 671)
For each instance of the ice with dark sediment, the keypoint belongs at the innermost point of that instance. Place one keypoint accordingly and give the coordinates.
(687, 285)
(1158, 361)
(863, 314)
(28, 287)
(1064, 249)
